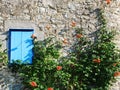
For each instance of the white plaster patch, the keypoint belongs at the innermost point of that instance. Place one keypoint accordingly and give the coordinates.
(18, 24)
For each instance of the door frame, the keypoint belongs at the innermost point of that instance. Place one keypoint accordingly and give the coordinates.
(9, 41)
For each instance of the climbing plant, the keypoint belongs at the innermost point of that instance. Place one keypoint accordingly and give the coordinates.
(96, 63)
(46, 71)
(92, 64)
(3, 56)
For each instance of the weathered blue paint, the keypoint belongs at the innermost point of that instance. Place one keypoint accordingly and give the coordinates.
(21, 45)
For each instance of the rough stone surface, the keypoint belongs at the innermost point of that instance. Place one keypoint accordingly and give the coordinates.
(58, 16)
(8, 80)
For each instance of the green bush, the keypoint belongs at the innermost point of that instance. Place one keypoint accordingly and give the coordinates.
(46, 70)
(92, 65)
(3, 56)
(94, 60)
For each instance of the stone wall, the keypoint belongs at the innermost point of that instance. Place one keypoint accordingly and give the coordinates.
(54, 18)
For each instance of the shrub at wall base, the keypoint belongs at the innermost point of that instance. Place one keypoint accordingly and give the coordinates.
(92, 65)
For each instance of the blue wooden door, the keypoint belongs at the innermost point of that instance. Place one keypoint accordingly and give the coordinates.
(21, 45)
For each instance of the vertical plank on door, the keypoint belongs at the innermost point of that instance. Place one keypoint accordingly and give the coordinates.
(27, 45)
(15, 46)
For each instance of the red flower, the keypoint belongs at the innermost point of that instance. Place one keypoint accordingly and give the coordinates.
(50, 88)
(48, 27)
(33, 36)
(73, 23)
(65, 41)
(108, 1)
(96, 60)
(59, 67)
(116, 74)
(114, 64)
(78, 35)
(33, 84)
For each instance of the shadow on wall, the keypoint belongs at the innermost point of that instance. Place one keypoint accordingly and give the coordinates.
(25, 51)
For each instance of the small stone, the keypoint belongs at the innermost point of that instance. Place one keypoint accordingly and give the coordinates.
(27, 17)
(48, 3)
(64, 54)
(42, 10)
(1, 22)
(26, 11)
(71, 6)
(91, 26)
(1, 81)
(115, 88)
(85, 17)
(65, 15)
(1, 18)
